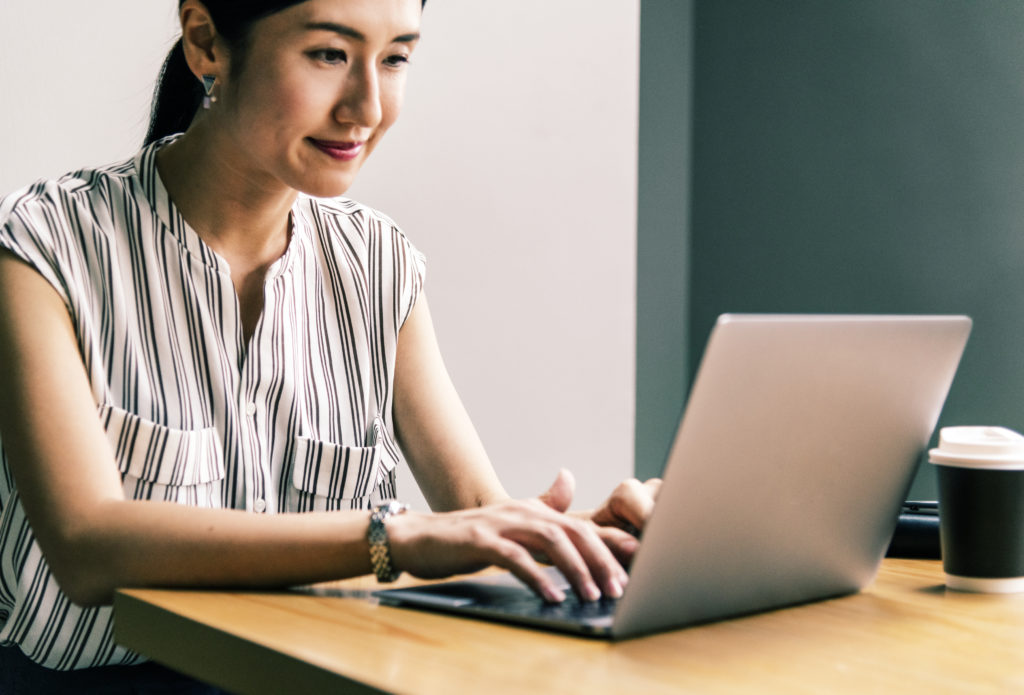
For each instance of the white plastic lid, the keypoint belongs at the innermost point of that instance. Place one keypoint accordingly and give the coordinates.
(979, 447)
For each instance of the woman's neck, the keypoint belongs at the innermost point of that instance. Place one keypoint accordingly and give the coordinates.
(243, 219)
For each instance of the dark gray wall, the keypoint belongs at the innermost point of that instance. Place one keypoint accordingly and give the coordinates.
(862, 157)
(663, 243)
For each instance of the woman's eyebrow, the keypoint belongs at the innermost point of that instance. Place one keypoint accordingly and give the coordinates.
(355, 34)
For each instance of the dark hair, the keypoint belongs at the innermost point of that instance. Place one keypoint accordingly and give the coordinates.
(178, 93)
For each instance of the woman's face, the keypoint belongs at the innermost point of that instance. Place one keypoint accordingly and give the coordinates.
(320, 84)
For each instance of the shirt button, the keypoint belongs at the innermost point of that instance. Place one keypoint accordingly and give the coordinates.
(250, 409)
(260, 506)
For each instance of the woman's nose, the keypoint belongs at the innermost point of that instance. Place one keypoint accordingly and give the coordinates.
(360, 97)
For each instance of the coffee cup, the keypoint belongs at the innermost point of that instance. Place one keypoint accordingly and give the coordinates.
(981, 508)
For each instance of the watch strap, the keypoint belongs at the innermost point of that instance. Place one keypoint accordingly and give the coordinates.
(377, 536)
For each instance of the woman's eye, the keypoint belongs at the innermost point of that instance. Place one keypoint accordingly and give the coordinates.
(396, 61)
(331, 56)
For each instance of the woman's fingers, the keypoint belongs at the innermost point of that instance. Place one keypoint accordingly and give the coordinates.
(559, 495)
(622, 544)
(553, 543)
(604, 566)
(574, 547)
(630, 505)
(515, 558)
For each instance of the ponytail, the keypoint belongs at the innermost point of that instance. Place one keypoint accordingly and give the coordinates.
(176, 99)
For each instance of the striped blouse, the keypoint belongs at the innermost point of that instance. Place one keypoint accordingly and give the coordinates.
(298, 419)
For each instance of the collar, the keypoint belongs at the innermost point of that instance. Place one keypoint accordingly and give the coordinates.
(173, 223)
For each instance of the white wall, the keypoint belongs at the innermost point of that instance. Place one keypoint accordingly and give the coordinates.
(513, 168)
(76, 80)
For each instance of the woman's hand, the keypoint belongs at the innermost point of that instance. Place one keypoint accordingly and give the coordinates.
(620, 519)
(511, 535)
(629, 506)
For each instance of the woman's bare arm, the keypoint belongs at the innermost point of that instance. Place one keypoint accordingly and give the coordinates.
(435, 432)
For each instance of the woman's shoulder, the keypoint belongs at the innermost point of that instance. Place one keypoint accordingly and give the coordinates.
(346, 228)
(347, 220)
(55, 196)
(54, 225)
(348, 211)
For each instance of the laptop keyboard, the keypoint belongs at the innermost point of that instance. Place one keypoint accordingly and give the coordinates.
(502, 597)
(572, 608)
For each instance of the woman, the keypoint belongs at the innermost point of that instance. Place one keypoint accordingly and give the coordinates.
(203, 337)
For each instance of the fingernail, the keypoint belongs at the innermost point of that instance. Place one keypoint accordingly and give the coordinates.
(553, 594)
(615, 589)
(592, 592)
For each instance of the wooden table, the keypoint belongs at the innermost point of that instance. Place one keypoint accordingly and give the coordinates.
(904, 633)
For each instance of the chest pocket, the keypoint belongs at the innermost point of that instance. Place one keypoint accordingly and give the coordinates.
(162, 463)
(329, 477)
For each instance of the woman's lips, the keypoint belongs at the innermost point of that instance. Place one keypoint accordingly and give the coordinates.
(343, 151)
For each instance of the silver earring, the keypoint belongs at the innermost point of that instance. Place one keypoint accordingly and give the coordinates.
(209, 81)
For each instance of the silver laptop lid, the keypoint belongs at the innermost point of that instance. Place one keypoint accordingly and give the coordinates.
(800, 440)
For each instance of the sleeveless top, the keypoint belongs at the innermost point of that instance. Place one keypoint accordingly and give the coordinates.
(298, 419)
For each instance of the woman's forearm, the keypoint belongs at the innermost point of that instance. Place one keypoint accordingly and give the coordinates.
(148, 543)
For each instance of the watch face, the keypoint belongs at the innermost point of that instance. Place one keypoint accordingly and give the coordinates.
(393, 507)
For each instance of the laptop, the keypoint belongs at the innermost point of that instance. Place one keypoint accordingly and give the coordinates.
(796, 450)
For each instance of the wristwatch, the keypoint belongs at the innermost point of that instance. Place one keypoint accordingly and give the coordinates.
(377, 535)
